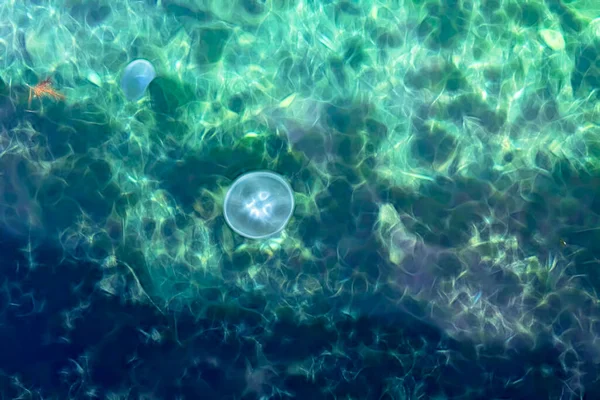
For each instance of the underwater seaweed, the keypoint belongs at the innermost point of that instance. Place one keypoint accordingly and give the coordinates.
(44, 89)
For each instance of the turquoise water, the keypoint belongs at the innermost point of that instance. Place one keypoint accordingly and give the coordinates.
(443, 163)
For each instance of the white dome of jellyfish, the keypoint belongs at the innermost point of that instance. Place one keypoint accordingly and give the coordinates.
(136, 77)
(258, 204)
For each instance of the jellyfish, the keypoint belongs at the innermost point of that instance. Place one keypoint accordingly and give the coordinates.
(136, 77)
(258, 204)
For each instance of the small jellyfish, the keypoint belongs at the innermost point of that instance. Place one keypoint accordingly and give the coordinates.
(136, 77)
(258, 204)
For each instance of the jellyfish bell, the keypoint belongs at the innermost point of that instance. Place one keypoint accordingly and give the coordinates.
(136, 77)
(258, 204)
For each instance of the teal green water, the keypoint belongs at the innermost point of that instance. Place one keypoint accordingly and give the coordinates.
(443, 158)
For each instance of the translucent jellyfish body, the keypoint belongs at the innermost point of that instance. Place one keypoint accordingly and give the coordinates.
(258, 204)
(136, 77)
